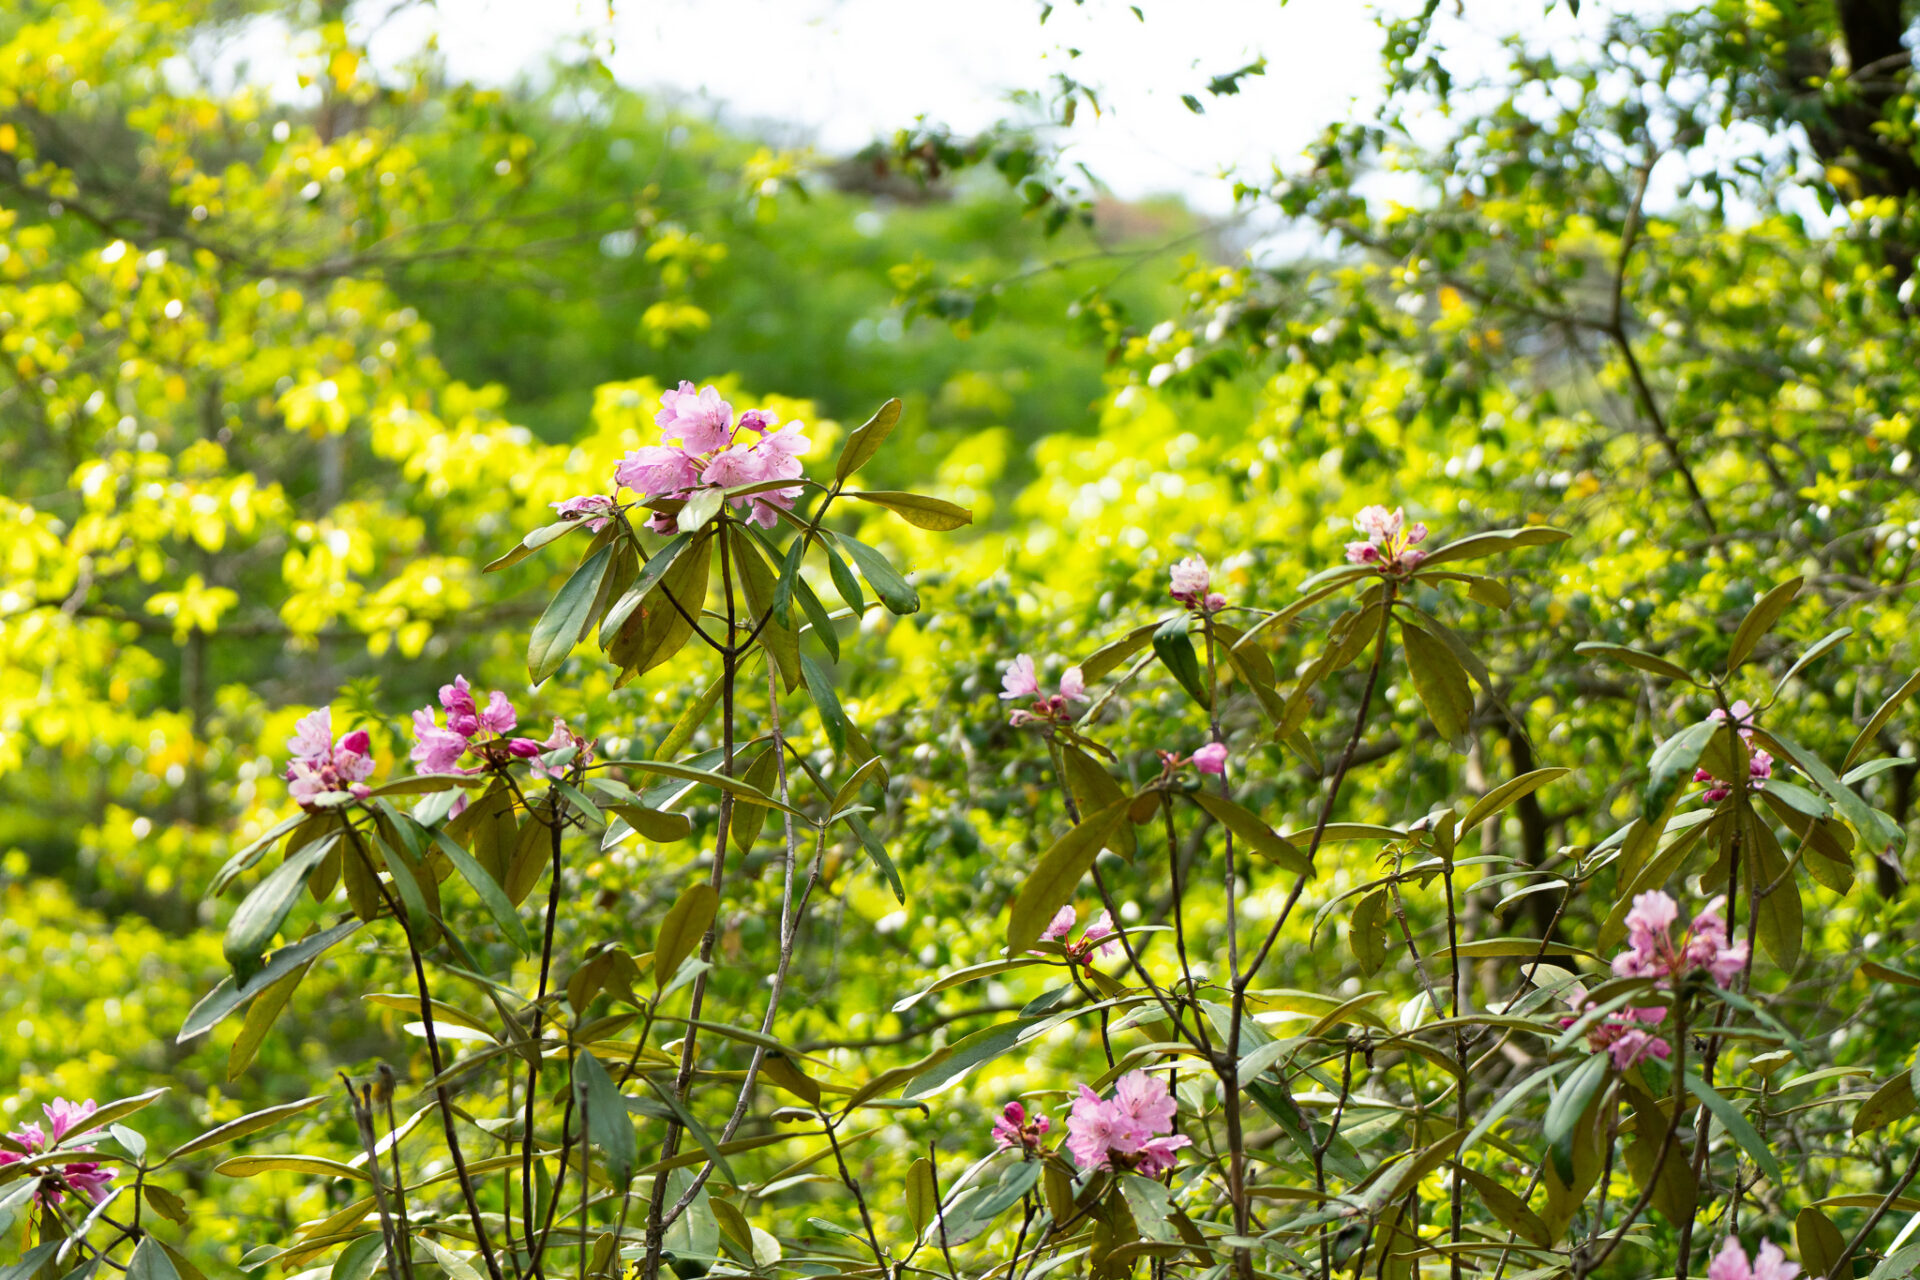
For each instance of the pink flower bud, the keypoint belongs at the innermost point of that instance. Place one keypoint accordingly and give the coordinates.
(1211, 758)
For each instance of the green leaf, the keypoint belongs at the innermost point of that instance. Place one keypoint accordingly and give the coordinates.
(1819, 1241)
(1507, 793)
(149, 1262)
(894, 591)
(982, 1046)
(1892, 1101)
(492, 896)
(1440, 681)
(567, 617)
(1566, 1108)
(1174, 647)
(917, 509)
(359, 1260)
(1262, 838)
(843, 580)
(877, 854)
(1879, 720)
(865, 440)
(647, 579)
(1051, 883)
(230, 994)
(686, 923)
(826, 701)
(703, 506)
(1759, 620)
(1486, 544)
(264, 910)
(1509, 1209)
(1111, 654)
(1797, 798)
(1092, 787)
(1736, 1126)
(1872, 824)
(1511, 1098)
(316, 1166)
(240, 1128)
(784, 584)
(687, 773)
(922, 1204)
(1672, 767)
(608, 1125)
(1635, 658)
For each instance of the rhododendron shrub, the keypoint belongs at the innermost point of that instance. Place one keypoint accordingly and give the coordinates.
(1455, 1096)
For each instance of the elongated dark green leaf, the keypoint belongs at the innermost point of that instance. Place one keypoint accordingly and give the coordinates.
(966, 1219)
(230, 995)
(253, 852)
(1264, 840)
(1050, 885)
(567, 617)
(1092, 787)
(917, 509)
(894, 591)
(1174, 647)
(1879, 720)
(687, 773)
(492, 896)
(1485, 544)
(1510, 1210)
(843, 580)
(647, 579)
(1797, 798)
(877, 854)
(360, 1259)
(608, 1125)
(1736, 1125)
(922, 1202)
(1111, 654)
(263, 911)
(1568, 1106)
(865, 440)
(1440, 681)
(1635, 658)
(240, 1128)
(818, 619)
(1874, 826)
(826, 701)
(1507, 793)
(983, 1045)
(1759, 620)
(703, 506)
(149, 1262)
(789, 575)
(680, 933)
(1672, 766)
(1511, 1098)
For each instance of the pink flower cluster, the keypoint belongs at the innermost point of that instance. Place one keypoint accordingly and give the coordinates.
(1211, 759)
(1128, 1131)
(1021, 681)
(1094, 941)
(1652, 952)
(323, 772)
(595, 509)
(1015, 1128)
(1731, 1263)
(1390, 541)
(702, 445)
(64, 1118)
(482, 730)
(1192, 586)
(1759, 763)
(1623, 1035)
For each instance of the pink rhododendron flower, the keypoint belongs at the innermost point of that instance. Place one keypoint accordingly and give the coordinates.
(701, 419)
(595, 509)
(656, 469)
(1191, 584)
(1015, 1128)
(1391, 541)
(1622, 1034)
(322, 771)
(498, 715)
(701, 444)
(1097, 940)
(564, 736)
(1731, 1263)
(435, 749)
(1131, 1131)
(1211, 758)
(1652, 953)
(1759, 769)
(1020, 680)
(64, 1121)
